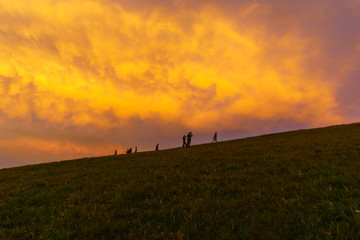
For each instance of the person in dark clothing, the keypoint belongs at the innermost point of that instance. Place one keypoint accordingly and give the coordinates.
(214, 138)
(115, 152)
(157, 147)
(129, 151)
(135, 149)
(189, 136)
(184, 141)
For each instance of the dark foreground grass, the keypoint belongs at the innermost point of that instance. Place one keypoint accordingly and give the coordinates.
(296, 185)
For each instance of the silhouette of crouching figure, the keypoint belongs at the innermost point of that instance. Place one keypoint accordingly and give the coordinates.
(129, 151)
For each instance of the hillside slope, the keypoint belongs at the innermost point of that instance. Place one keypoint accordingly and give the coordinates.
(295, 185)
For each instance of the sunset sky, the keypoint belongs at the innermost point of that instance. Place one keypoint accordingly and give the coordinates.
(82, 78)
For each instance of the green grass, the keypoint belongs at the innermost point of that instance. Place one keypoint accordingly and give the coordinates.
(296, 185)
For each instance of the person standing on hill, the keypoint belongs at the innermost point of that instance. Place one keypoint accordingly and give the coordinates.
(189, 136)
(214, 138)
(157, 147)
(184, 141)
(115, 152)
(135, 149)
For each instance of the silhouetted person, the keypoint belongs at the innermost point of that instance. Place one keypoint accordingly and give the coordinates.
(157, 147)
(129, 151)
(184, 141)
(115, 152)
(135, 149)
(214, 138)
(189, 136)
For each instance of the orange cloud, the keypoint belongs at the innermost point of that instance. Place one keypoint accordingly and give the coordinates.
(49, 147)
(80, 59)
(98, 63)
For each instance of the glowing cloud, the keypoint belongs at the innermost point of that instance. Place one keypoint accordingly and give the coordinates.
(101, 63)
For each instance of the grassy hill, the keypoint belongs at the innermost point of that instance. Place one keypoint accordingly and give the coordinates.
(296, 185)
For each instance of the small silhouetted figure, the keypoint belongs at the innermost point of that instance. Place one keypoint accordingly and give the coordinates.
(157, 147)
(135, 149)
(189, 139)
(184, 141)
(115, 152)
(129, 151)
(214, 138)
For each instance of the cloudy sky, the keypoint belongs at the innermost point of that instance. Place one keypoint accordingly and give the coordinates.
(83, 78)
